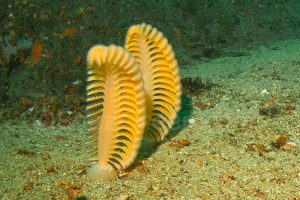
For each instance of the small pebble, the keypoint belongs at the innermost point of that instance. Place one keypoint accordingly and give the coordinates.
(264, 92)
(192, 121)
(77, 82)
(289, 146)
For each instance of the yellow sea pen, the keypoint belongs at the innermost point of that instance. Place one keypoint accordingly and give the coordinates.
(116, 110)
(160, 71)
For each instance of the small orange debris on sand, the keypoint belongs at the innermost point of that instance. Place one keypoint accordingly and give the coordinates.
(78, 60)
(179, 143)
(69, 31)
(26, 102)
(37, 53)
(184, 143)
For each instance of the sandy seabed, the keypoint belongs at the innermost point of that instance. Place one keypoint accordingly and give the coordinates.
(234, 151)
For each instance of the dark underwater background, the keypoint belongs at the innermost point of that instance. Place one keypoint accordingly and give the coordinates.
(61, 32)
